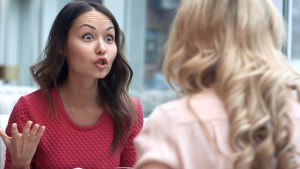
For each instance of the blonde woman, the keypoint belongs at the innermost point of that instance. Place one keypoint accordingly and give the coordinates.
(239, 99)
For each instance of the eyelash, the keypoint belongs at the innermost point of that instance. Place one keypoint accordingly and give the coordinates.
(110, 36)
(91, 37)
(85, 35)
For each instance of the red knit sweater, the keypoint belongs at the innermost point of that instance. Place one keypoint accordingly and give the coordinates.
(65, 145)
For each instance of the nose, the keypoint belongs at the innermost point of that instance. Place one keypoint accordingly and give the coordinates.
(101, 47)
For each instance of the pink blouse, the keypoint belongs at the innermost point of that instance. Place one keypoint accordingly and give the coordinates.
(174, 137)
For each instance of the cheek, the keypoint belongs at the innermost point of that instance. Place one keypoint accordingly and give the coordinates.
(76, 56)
(113, 54)
(73, 48)
(78, 52)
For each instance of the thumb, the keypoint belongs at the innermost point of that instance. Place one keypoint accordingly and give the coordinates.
(4, 137)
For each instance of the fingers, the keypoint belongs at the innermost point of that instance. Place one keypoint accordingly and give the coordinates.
(35, 129)
(40, 134)
(37, 132)
(4, 137)
(14, 130)
(22, 146)
(28, 132)
(26, 129)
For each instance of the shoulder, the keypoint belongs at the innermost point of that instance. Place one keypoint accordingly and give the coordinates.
(295, 109)
(37, 94)
(206, 104)
(34, 98)
(136, 104)
(28, 98)
(170, 126)
(176, 122)
(30, 104)
(295, 117)
(176, 117)
(138, 110)
(24, 109)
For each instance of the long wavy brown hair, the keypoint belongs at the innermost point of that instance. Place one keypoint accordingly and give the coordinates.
(235, 46)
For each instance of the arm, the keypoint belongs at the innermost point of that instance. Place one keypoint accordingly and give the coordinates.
(128, 155)
(21, 138)
(155, 146)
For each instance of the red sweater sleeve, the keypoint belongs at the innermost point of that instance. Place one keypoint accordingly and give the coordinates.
(128, 156)
(20, 115)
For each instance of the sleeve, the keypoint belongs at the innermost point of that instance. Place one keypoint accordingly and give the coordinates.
(128, 155)
(20, 115)
(155, 144)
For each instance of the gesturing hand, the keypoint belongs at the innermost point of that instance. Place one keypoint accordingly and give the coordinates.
(22, 146)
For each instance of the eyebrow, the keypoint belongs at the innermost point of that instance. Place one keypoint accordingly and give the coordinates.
(92, 27)
(112, 27)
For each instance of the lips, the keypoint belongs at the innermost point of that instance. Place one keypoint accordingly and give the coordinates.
(101, 62)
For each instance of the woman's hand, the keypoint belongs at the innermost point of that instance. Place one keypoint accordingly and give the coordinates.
(22, 146)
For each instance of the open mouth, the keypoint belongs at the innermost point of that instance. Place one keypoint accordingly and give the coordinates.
(102, 61)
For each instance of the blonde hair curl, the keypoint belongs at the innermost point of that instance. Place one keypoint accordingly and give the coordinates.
(234, 45)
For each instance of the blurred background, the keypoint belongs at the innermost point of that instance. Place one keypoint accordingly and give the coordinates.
(25, 24)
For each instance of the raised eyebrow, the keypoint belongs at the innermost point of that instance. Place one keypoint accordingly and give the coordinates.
(90, 26)
(109, 28)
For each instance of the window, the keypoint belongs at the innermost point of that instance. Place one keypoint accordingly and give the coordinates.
(293, 17)
(160, 14)
(146, 25)
(25, 25)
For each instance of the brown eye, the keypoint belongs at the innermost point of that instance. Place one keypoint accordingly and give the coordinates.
(109, 38)
(87, 37)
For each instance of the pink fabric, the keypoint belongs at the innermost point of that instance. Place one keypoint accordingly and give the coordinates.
(66, 145)
(174, 137)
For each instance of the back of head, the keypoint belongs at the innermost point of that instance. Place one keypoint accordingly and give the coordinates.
(234, 46)
(223, 32)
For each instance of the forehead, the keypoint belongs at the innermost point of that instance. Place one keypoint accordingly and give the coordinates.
(93, 16)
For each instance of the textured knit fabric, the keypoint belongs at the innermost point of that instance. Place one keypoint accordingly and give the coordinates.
(65, 145)
(174, 137)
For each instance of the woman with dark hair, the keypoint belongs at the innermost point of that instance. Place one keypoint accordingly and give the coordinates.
(83, 101)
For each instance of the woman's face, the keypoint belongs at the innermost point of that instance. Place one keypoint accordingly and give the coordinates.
(91, 47)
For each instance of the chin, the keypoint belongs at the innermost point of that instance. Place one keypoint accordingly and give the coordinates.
(101, 76)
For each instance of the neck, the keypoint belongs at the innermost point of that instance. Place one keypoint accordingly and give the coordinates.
(80, 94)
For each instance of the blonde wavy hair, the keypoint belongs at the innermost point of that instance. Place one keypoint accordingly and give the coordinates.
(235, 46)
